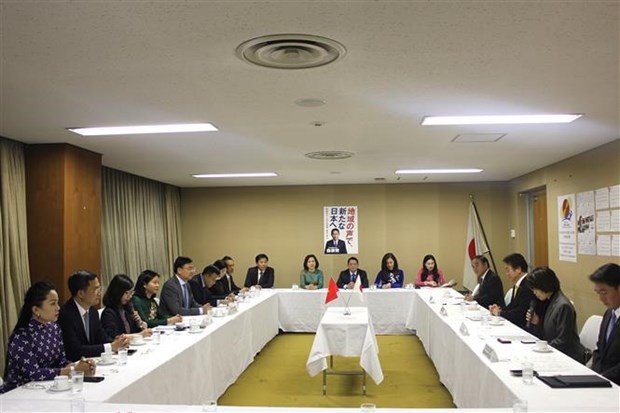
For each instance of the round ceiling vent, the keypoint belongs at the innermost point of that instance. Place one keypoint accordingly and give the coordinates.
(329, 155)
(290, 51)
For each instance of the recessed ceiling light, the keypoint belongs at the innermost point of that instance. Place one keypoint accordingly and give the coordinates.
(498, 119)
(438, 171)
(239, 175)
(143, 129)
(310, 102)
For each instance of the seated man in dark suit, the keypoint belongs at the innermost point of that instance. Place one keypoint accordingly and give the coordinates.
(347, 278)
(335, 245)
(522, 295)
(260, 276)
(489, 290)
(82, 333)
(227, 282)
(202, 285)
(606, 357)
(176, 296)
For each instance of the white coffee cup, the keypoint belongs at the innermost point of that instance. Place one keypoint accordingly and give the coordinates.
(61, 382)
(541, 345)
(137, 340)
(180, 325)
(106, 357)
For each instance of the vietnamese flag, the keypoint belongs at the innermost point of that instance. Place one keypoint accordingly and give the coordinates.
(332, 291)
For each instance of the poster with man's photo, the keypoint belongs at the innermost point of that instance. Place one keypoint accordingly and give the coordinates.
(340, 229)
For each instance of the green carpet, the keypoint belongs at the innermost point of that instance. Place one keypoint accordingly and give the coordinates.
(278, 377)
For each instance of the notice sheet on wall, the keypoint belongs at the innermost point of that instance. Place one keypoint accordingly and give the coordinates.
(567, 229)
(586, 231)
(340, 229)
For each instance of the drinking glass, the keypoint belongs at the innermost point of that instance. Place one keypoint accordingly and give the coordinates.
(519, 406)
(122, 357)
(78, 405)
(367, 408)
(78, 381)
(209, 406)
(527, 369)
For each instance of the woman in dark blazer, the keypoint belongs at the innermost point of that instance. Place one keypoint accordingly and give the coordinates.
(554, 318)
(119, 316)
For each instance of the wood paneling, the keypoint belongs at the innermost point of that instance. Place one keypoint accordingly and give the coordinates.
(63, 201)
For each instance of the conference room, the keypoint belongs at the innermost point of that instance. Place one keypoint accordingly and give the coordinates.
(321, 106)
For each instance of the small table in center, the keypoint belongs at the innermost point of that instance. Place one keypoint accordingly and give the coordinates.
(349, 336)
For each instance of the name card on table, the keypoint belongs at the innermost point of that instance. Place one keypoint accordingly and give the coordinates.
(443, 311)
(490, 353)
(464, 330)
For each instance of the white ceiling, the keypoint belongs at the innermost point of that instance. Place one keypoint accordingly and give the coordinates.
(67, 64)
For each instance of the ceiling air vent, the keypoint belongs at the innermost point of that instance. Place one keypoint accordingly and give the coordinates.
(329, 155)
(290, 51)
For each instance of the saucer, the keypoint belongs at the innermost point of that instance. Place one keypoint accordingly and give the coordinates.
(474, 318)
(500, 323)
(54, 389)
(140, 343)
(107, 363)
(33, 385)
(195, 332)
(548, 349)
(147, 338)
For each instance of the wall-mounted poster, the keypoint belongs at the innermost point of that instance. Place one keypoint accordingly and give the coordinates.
(586, 231)
(567, 231)
(340, 229)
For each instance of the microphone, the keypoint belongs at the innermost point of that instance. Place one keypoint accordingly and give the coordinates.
(531, 311)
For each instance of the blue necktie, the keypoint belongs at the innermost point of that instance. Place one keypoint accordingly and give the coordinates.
(185, 296)
(353, 275)
(610, 326)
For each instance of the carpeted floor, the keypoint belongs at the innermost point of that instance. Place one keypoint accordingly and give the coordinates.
(278, 377)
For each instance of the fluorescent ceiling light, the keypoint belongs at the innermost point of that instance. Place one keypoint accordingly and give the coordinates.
(142, 129)
(498, 119)
(438, 171)
(241, 175)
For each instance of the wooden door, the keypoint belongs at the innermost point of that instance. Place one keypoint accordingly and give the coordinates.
(541, 245)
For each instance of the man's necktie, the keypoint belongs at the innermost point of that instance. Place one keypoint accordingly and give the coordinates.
(260, 274)
(229, 283)
(353, 276)
(86, 326)
(611, 325)
(185, 296)
(514, 291)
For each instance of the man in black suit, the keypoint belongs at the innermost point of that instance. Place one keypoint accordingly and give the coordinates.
(606, 357)
(489, 290)
(202, 285)
(347, 278)
(335, 245)
(261, 275)
(82, 333)
(176, 296)
(227, 281)
(522, 295)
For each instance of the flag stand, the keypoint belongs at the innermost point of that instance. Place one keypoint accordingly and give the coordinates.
(347, 310)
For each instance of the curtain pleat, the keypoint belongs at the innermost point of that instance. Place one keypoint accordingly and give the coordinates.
(140, 225)
(14, 268)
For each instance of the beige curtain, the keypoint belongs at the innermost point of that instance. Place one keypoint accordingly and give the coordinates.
(140, 225)
(14, 270)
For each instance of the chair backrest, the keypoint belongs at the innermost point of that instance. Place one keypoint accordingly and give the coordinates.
(589, 333)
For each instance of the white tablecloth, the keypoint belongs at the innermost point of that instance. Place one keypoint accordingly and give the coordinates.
(301, 310)
(345, 335)
(475, 381)
(185, 368)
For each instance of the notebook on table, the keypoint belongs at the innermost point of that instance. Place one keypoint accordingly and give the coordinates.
(574, 381)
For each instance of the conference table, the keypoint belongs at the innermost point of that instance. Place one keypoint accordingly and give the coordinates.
(301, 310)
(348, 334)
(186, 369)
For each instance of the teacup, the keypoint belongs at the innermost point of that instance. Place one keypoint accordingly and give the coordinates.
(106, 357)
(541, 345)
(61, 382)
(373, 287)
(137, 340)
(295, 287)
(180, 325)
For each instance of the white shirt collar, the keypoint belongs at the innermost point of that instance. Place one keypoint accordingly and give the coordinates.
(180, 280)
(518, 284)
(81, 309)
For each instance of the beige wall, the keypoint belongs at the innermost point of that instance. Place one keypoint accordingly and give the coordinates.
(409, 220)
(590, 170)
(286, 223)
